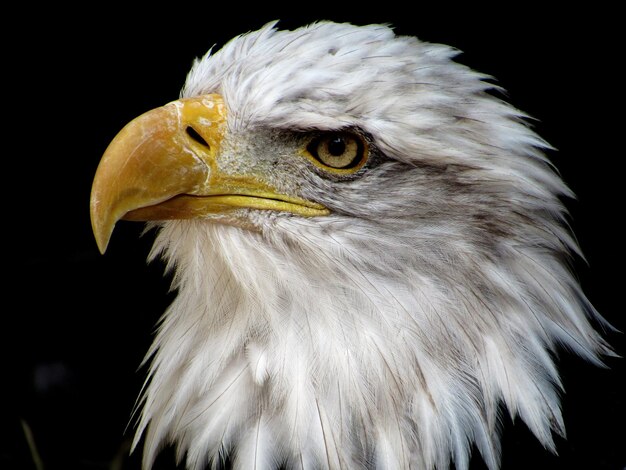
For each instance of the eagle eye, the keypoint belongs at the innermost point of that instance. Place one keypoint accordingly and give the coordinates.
(339, 150)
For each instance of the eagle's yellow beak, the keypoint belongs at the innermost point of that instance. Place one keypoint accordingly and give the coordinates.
(164, 165)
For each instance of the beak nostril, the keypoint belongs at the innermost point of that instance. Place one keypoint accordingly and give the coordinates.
(197, 137)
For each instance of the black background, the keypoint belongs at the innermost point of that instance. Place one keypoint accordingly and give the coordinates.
(75, 324)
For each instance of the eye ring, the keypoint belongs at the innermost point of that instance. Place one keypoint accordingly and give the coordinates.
(340, 151)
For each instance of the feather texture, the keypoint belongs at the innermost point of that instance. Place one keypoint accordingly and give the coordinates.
(391, 333)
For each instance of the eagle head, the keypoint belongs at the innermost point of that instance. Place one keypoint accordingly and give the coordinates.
(369, 252)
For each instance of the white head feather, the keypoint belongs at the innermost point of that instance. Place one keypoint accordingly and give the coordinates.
(390, 333)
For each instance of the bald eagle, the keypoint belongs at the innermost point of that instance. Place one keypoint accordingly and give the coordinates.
(370, 254)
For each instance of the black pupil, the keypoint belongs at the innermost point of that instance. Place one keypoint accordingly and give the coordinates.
(336, 146)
